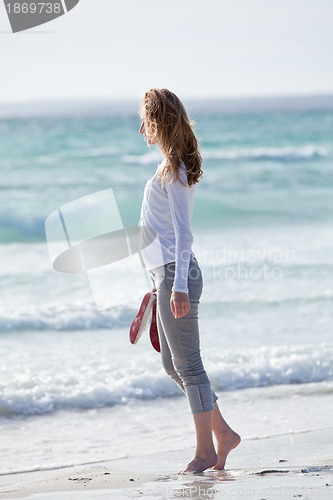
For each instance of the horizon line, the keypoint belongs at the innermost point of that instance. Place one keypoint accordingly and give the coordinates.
(184, 97)
(127, 106)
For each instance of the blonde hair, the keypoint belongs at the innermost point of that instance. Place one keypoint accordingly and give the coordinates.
(168, 121)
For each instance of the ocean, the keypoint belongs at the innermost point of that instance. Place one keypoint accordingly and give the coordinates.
(72, 388)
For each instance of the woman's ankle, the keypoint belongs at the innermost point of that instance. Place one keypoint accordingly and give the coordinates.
(205, 450)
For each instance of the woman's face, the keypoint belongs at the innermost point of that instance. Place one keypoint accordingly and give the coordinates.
(144, 129)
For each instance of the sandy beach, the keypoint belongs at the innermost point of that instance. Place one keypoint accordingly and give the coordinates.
(285, 466)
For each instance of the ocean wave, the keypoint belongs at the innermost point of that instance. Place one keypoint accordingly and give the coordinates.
(21, 227)
(281, 154)
(152, 157)
(286, 206)
(71, 317)
(77, 154)
(278, 154)
(64, 317)
(268, 366)
(99, 384)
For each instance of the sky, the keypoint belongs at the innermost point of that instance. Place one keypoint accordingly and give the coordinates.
(104, 49)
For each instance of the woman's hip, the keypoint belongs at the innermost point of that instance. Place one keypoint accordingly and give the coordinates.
(164, 276)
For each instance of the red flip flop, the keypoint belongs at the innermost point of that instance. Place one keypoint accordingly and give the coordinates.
(153, 333)
(141, 319)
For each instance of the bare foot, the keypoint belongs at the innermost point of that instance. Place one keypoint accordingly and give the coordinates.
(199, 464)
(226, 442)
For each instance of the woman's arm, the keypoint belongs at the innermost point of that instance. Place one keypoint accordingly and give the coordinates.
(181, 201)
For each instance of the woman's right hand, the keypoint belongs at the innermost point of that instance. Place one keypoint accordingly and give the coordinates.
(180, 304)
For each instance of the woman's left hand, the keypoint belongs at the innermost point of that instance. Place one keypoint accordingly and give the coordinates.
(180, 304)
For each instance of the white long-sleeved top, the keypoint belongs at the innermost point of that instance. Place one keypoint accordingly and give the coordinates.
(167, 210)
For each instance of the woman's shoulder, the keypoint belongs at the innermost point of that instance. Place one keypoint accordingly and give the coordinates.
(170, 178)
(182, 167)
(183, 173)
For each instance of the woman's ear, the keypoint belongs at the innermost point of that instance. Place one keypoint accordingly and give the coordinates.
(153, 128)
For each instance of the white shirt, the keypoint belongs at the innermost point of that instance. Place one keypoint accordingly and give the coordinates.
(167, 210)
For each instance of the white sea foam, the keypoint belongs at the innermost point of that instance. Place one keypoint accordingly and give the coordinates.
(152, 157)
(77, 154)
(64, 317)
(91, 381)
(282, 153)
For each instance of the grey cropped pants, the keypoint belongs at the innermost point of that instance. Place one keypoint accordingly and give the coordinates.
(179, 338)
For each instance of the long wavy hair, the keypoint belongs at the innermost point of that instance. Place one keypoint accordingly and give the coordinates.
(168, 121)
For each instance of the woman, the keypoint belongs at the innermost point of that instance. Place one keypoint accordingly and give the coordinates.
(167, 210)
